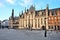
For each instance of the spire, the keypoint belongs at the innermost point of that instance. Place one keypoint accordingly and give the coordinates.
(32, 7)
(47, 6)
(22, 12)
(13, 14)
(47, 9)
(25, 9)
(19, 13)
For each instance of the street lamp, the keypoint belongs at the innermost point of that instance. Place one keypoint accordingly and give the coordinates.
(45, 29)
(1, 24)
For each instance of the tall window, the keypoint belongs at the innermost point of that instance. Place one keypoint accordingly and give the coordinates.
(38, 23)
(41, 20)
(49, 27)
(35, 23)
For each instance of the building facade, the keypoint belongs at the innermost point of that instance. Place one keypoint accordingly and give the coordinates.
(32, 19)
(54, 19)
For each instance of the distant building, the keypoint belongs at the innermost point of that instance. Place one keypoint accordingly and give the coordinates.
(5, 23)
(40, 19)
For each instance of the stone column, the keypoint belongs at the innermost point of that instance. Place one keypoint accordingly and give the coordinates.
(37, 22)
(11, 24)
(40, 23)
(33, 23)
(46, 23)
(24, 23)
(27, 24)
(19, 23)
(56, 28)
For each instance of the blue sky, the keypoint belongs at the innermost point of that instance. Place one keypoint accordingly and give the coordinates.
(18, 5)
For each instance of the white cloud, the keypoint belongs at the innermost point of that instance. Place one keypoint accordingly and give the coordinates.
(11, 1)
(1, 4)
(25, 2)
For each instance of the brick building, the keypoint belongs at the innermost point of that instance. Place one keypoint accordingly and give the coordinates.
(54, 19)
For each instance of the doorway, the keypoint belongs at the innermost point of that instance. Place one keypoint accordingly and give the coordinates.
(58, 28)
(55, 27)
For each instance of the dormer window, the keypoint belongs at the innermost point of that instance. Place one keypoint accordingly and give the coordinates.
(32, 8)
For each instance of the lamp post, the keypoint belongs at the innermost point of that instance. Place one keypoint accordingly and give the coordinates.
(45, 29)
(1, 24)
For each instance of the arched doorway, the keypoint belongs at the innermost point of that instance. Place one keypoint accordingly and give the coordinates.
(58, 28)
(55, 27)
(43, 27)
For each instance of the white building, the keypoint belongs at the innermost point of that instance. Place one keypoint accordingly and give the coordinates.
(5, 23)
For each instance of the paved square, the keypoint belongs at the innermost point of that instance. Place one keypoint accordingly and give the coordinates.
(12, 34)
